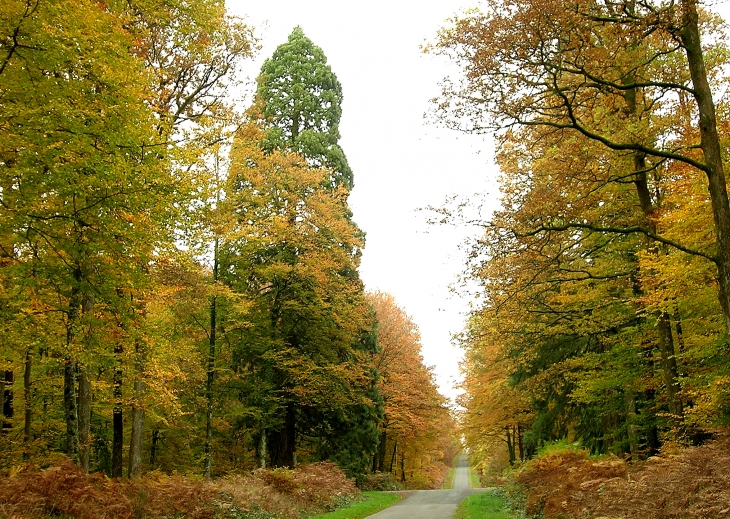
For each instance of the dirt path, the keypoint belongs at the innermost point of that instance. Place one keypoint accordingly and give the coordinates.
(432, 504)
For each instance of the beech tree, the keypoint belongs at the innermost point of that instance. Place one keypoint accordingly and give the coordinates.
(557, 64)
(107, 114)
(416, 431)
(295, 255)
(592, 103)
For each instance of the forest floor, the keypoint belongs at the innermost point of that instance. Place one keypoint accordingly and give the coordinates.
(65, 491)
(692, 483)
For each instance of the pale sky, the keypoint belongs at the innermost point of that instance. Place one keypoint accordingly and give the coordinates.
(400, 161)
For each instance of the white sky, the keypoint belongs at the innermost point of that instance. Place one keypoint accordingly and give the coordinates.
(400, 162)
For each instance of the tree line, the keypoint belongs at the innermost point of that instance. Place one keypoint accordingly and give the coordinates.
(180, 286)
(604, 275)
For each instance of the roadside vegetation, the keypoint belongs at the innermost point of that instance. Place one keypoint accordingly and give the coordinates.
(565, 482)
(474, 481)
(488, 505)
(371, 503)
(65, 491)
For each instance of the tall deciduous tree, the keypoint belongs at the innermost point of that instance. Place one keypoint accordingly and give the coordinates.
(417, 430)
(574, 65)
(295, 255)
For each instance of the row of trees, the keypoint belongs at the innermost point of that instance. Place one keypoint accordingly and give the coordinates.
(605, 273)
(179, 282)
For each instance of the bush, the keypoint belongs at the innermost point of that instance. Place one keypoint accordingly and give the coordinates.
(381, 481)
(64, 490)
(566, 483)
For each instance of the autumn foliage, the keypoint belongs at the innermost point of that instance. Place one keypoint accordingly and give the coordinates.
(603, 316)
(417, 440)
(65, 490)
(693, 484)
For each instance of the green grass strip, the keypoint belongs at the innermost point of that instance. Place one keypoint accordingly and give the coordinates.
(373, 503)
(474, 481)
(448, 483)
(486, 505)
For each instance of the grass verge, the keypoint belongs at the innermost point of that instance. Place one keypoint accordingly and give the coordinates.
(373, 503)
(474, 481)
(448, 483)
(487, 505)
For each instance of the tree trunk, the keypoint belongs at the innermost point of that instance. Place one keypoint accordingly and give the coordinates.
(207, 461)
(670, 372)
(70, 410)
(69, 373)
(632, 429)
(282, 443)
(154, 447)
(27, 385)
(7, 394)
(392, 458)
(117, 416)
(510, 445)
(403, 467)
(138, 414)
(84, 411)
(380, 454)
(262, 449)
(689, 34)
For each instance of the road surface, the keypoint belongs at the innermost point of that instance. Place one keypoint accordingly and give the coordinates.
(432, 504)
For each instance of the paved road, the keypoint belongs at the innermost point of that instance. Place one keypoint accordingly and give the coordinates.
(432, 504)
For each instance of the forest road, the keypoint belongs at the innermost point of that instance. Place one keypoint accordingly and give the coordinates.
(432, 504)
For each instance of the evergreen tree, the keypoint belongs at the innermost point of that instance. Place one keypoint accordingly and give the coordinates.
(300, 99)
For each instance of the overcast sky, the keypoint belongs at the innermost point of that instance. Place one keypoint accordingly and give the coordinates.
(400, 162)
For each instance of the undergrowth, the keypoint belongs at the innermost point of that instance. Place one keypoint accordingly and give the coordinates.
(565, 483)
(65, 491)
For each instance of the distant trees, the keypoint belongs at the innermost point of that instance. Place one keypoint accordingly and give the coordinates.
(597, 271)
(416, 429)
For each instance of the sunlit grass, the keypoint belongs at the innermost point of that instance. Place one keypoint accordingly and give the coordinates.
(373, 503)
(486, 505)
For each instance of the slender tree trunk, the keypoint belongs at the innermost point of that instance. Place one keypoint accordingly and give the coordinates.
(632, 429)
(510, 445)
(70, 371)
(154, 447)
(392, 458)
(70, 409)
(211, 371)
(670, 371)
(379, 459)
(84, 412)
(2, 401)
(262, 448)
(117, 416)
(27, 387)
(7, 394)
(689, 34)
(138, 414)
(403, 467)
